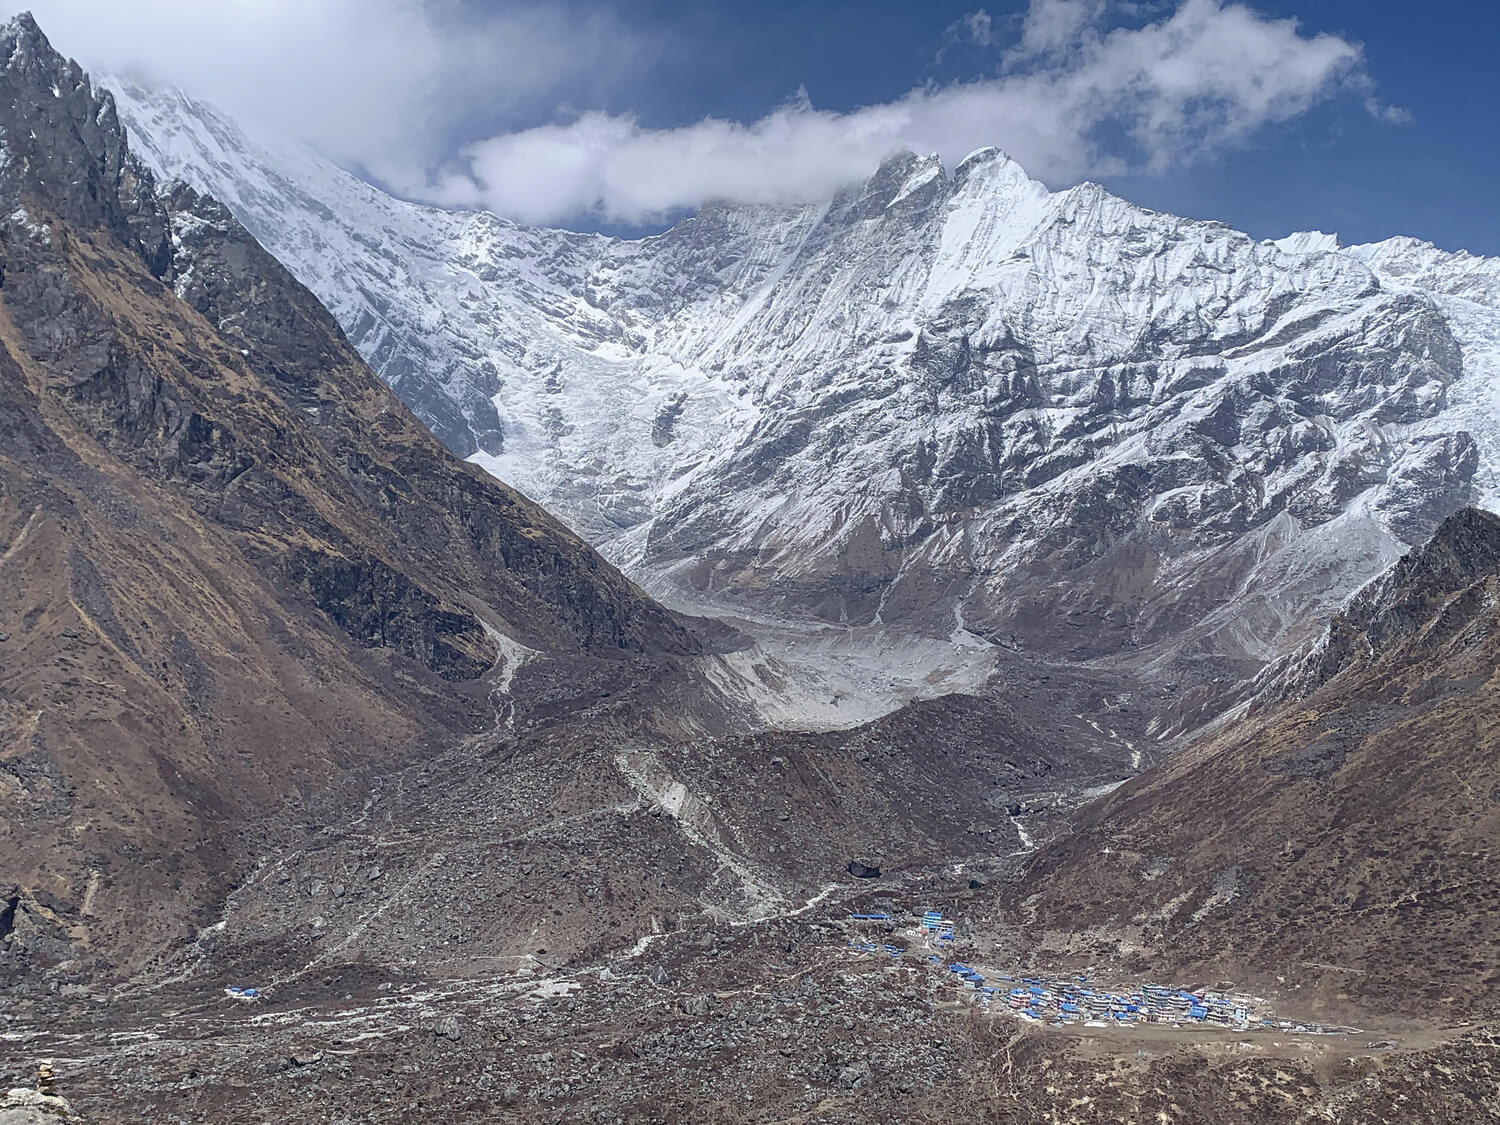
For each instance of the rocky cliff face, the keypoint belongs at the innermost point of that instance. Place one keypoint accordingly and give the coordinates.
(236, 574)
(1343, 836)
(1435, 593)
(948, 400)
(81, 146)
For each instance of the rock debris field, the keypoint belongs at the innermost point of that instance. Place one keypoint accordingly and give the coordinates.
(760, 1022)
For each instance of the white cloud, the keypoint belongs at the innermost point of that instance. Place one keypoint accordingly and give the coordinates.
(1055, 26)
(972, 29)
(980, 28)
(1073, 98)
(382, 83)
(394, 85)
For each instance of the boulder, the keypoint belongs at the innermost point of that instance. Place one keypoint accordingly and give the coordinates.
(22, 1106)
(855, 1075)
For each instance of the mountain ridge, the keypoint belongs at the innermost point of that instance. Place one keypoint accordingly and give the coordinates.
(239, 580)
(1339, 838)
(948, 404)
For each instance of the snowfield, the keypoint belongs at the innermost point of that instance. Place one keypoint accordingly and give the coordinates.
(945, 402)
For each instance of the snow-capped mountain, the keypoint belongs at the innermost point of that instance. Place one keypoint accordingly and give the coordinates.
(953, 402)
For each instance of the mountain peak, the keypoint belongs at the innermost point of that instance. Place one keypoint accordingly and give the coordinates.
(1308, 242)
(983, 157)
(902, 176)
(905, 165)
(984, 154)
(907, 177)
(66, 148)
(25, 49)
(22, 25)
(993, 169)
(23, 45)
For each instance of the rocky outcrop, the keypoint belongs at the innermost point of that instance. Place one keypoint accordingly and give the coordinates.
(81, 146)
(22, 1106)
(381, 608)
(1434, 592)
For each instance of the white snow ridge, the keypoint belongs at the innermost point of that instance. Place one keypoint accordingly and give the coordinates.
(1067, 423)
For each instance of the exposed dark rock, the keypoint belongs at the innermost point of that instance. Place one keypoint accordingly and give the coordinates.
(1422, 593)
(1317, 759)
(382, 608)
(862, 870)
(665, 422)
(60, 132)
(8, 906)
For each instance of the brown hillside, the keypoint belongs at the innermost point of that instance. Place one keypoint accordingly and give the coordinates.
(1340, 844)
(235, 572)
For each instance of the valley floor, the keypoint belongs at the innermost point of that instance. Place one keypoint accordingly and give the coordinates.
(551, 927)
(772, 1021)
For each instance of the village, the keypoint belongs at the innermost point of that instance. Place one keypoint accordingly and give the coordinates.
(929, 939)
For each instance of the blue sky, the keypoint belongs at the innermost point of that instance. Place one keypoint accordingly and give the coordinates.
(1368, 118)
(1335, 168)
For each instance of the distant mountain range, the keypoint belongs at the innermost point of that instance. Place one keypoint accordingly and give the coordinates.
(256, 619)
(946, 401)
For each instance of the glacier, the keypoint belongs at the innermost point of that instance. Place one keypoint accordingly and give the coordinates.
(951, 403)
